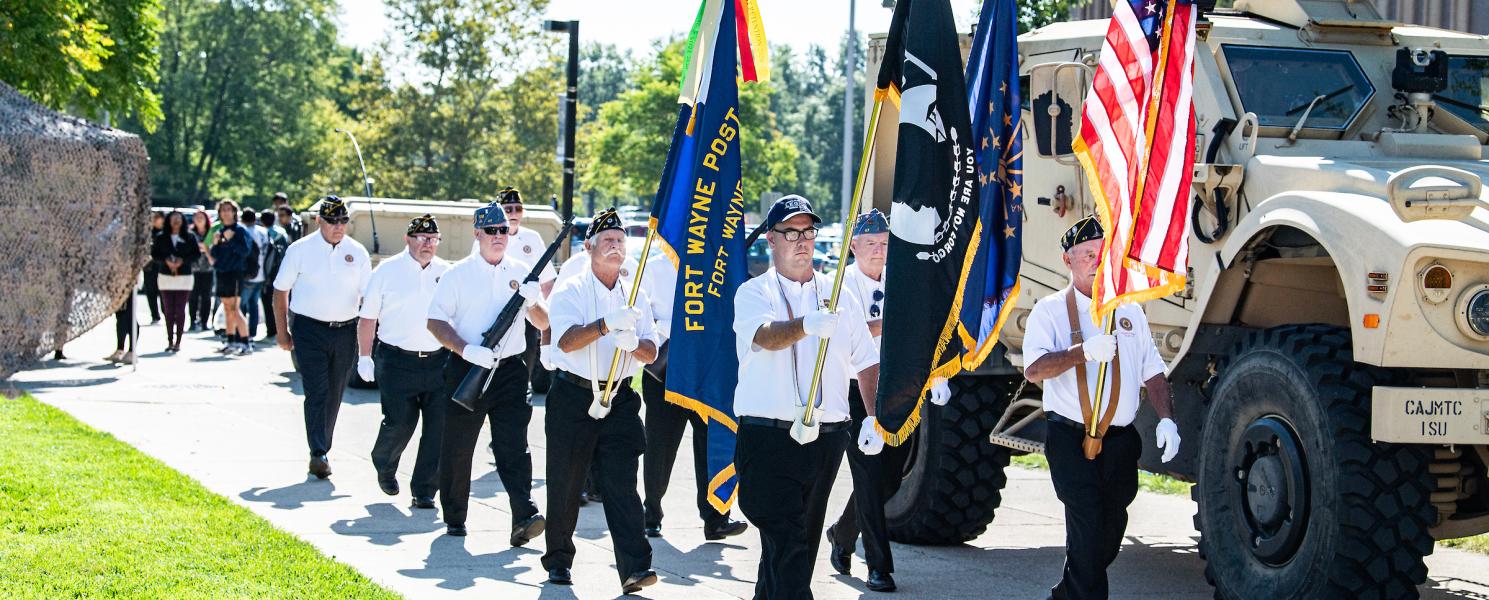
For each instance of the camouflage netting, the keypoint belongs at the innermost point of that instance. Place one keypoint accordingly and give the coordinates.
(74, 200)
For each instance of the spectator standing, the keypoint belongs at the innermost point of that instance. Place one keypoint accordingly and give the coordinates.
(231, 248)
(152, 271)
(286, 215)
(272, 256)
(173, 252)
(253, 278)
(200, 305)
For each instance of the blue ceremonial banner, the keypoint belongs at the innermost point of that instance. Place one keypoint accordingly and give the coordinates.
(992, 284)
(699, 220)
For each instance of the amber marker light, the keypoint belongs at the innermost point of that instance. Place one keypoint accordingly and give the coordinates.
(1372, 321)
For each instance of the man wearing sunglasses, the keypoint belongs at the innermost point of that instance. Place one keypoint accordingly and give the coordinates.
(466, 302)
(326, 271)
(525, 245)
(865, 508)
(406, 359)
(780, 318)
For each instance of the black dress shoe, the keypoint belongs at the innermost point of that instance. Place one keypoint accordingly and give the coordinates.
(388, 485)
(880, 582)
(725, 529)
(560, 576)
(638, 580)
(423, 502)
(839, 557)
(653, 531)
(527, 530)
(320, 467)
(455, 530)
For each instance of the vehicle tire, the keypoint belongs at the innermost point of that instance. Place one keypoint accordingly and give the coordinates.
(953, 477)
(1295, 501)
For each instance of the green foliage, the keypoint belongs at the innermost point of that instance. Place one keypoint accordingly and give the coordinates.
(84, 56)
(85, 515)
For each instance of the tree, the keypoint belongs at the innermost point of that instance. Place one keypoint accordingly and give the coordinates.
(86, 56)
(622, 152)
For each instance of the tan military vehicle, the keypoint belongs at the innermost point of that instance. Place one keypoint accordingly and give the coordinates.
(379, 223)
(1331, 358)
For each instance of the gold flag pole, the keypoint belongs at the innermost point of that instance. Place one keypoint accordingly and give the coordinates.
(601, 405)
(805, 430)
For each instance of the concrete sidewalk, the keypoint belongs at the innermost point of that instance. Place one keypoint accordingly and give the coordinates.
(235, 425)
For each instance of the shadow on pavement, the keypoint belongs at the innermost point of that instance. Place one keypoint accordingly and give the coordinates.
(385, 524)
(682, 566)
(294, 496)
(457, 569)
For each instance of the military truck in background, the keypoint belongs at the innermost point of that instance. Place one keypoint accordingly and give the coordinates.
(1330, 358)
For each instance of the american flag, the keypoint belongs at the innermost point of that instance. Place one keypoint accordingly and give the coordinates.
(1136, 144)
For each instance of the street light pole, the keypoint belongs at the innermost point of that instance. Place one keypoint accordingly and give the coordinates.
(571, 109)
(849, 53)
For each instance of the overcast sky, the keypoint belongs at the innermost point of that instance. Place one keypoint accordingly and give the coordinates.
(635, 23)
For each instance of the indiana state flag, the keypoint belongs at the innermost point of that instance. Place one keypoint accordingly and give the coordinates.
(992, 284)
(698, 216)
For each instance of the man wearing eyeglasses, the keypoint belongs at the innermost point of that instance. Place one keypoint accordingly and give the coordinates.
(466, 302)
(327, 272)
(406, 359)
(525, 245)
(865, 508)
(779, 320)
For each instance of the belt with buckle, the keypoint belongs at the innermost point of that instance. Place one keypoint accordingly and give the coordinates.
(330, 324)
(585, 383)
(411, 353)
(780, 424)
(1059, 419)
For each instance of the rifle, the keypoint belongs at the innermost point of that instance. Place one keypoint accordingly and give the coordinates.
(479, 378)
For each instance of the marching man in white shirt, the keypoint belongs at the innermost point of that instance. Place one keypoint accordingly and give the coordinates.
(406, 360)
(590, 322)
(1064, 358)
(327, 272)
(527, 246)
(466, 302)
(779, 319)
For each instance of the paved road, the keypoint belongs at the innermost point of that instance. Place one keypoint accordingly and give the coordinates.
(234, 424)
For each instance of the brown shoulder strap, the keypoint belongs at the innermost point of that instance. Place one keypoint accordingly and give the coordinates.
(1092, 444)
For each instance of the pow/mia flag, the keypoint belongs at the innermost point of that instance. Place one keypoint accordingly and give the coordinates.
(934, 212)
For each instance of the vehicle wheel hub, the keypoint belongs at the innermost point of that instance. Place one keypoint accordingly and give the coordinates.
(1272, 481)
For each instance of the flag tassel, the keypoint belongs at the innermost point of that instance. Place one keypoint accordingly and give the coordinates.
(808, 424)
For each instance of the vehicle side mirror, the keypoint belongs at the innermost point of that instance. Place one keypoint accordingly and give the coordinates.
(1056, 92)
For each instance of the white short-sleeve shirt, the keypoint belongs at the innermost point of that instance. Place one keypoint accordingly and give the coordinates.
(472, 293)
(398, 296)
(866, 290)
(1048, 330)
(772, 384)
(580, 300)
(325, 281)
(660, 284)
(527, 246)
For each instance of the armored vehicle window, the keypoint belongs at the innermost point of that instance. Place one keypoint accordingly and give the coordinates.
(1278, 84)
(1468, 90)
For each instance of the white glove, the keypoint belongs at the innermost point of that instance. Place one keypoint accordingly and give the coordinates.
(479, 355)
(940, 392)
(1100, 348)
(364, 368)
(1167, 436)
(622, 319)
(626, 340)
(545, 356)
(869, 440)
(820, 323)
(531, 293)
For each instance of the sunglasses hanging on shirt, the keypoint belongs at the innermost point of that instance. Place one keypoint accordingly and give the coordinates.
(874, 309)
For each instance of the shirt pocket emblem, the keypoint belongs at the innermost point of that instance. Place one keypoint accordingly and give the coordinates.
(349, 259)
(1126, 324)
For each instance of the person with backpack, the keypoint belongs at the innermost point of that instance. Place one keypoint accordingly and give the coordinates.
(233, 256)
(253, 275)
(273, 254)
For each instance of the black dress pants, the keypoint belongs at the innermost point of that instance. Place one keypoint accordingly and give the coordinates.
(665, 423)
(266, 299)
(1095, 494)
(505, 403)
(865, 509)
(325, 357)
(614, 444)
(783, 489)
(410, 387)
(529, 358)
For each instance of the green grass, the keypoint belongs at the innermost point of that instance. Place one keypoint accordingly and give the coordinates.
(83, 515)
(1163, 484)
(1148, 482)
